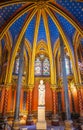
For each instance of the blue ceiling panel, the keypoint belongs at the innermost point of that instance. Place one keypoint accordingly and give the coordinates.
(7, 12)
(74, 7)
(29, 34)
(68, 29)
(41, 33)
(53, 31)
(3, 43)
(17, 26)
(81, 41)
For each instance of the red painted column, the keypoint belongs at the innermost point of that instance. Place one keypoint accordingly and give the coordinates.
(80, 101)
(2, 99)
(30, 101)
(5, 105)
(54, 101)
(27, 103)
(30, 116)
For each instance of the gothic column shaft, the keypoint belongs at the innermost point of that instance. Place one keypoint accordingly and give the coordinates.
(68, 115)
(80, 101)
(5, 101)
(54, 102)
(2, 98)
(19, 81)
(27, 102)
(59, 102)
(30, 101)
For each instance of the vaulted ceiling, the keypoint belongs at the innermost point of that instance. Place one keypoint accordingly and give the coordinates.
(68, 14)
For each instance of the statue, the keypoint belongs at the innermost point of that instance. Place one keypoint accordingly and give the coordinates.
(41, 98)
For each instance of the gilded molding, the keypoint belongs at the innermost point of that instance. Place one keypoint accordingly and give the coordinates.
(49, 46)
(34, 45)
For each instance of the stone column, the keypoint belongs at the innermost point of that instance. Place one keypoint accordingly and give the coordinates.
(68, 122)
(18, 91)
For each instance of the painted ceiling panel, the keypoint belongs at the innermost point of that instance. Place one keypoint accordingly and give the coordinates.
(53, 31)
(75, 8)
(81, 41)
(17, 26)
(67, 27)
(3, 43)
(7, 12)
(41, 32)
(30, 30)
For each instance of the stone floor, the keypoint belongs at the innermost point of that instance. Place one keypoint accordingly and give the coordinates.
(33, 127)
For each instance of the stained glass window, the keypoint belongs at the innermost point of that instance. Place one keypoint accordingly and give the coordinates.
(42, 66)
(46, 67)
(38, 67)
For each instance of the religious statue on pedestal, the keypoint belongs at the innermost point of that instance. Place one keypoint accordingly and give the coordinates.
(41, 98)
(41, 123)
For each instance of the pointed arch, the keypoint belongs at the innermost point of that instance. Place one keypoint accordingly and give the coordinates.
(66, 15)
(57, 24)
(15, 17)
(18, 43)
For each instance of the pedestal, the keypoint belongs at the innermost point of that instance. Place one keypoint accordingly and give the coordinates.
(16, 125)
(55, 120)
(30, 120)
(41, 124)
(69, 125)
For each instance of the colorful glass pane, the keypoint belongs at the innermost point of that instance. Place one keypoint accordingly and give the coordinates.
(38, 67)
(46, 67)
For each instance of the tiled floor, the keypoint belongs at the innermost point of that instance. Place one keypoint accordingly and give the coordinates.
(33, 127)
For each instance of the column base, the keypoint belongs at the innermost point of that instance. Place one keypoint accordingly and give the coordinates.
(55, 120)
(30, 120)
(81, 120)
(68, 125)
(16, 125)
(3, 122)
(41, 125)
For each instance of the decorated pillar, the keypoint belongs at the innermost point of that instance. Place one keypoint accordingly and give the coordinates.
(2, 97)
(19, 85)
(55, 117)
(54, 101)
(5, 104)
(59, 101)
(30, 116)
(80, 100)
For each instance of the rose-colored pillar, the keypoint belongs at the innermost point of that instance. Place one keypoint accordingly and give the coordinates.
(30, 116)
